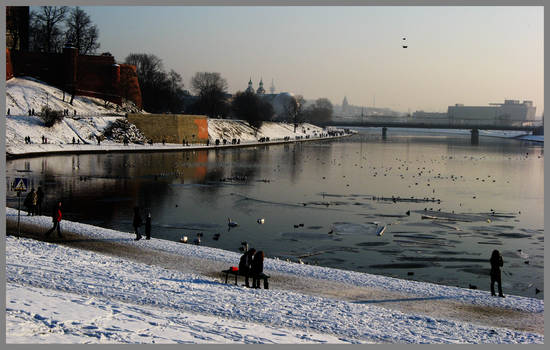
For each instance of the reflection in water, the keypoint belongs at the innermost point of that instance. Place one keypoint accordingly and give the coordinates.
(444, 201)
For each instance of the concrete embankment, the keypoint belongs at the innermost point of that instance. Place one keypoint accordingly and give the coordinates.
(46, 150)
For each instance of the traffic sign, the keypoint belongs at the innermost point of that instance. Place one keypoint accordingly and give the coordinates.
(20, 184)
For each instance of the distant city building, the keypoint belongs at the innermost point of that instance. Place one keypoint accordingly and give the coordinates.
(345, 105)
(510, 110)
(272, 88)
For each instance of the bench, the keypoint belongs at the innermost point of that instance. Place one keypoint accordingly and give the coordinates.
(236, 273)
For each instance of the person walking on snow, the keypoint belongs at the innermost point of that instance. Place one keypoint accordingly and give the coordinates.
(148, 226)
(496, 263)
(56, 218)
(137, 223)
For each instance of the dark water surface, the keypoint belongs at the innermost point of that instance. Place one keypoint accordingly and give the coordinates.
(323, 201)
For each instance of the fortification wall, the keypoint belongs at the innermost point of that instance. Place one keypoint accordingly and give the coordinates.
(9, 68)
(174, 128)
(96, 76)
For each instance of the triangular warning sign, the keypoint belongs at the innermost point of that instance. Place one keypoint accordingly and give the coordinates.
(21, 185)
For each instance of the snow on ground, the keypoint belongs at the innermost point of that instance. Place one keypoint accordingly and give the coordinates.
(229, 129)
(133, 302)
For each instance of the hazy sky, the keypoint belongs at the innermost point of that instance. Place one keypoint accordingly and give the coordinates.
(471, 55)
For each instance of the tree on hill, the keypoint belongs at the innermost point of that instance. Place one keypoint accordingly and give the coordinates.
(160, 91)
(81, 33)
(320, 111)
(252, 108)
(294, 110)
(45, 32)
(211, 89)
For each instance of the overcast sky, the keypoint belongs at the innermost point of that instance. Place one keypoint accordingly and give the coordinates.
(471, 55)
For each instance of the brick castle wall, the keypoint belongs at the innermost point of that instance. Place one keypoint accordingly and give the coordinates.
(95, 76)
(173, 128)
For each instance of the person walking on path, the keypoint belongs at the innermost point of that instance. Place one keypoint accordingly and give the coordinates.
(148, 226)
(39, 200)
(30, 202)
(256, 268)
(244, 265)
(137, 223)
(56, 218)
(496, 263)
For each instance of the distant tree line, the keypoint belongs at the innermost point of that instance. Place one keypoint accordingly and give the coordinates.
(52, 27)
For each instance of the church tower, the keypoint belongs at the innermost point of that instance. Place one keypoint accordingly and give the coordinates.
(250, 89)
(345, 105)
(261, 89)
(272, 88)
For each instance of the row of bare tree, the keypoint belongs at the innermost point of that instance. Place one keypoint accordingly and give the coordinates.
(52, 27)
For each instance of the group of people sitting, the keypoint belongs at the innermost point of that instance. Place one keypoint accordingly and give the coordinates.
(252, 265)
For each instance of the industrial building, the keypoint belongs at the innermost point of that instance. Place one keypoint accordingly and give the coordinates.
(510, 111)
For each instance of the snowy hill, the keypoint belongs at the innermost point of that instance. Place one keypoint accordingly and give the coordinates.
(93, 116)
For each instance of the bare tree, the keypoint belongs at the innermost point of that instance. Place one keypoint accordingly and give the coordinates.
(81, 33)
(45, 32)
(211, 89)
(321, 111)
(160, 91)
(252, 108)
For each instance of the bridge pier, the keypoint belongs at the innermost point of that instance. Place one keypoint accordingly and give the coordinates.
(539, 130)
(384, 132)
(475, 136)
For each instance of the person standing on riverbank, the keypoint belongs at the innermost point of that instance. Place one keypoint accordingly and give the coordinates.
(148, 226)
(39, 200)
(56, 218)
(137, 223)
(30, 202)
(496, 263)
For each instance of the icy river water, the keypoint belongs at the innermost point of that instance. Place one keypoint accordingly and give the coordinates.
(322, 202)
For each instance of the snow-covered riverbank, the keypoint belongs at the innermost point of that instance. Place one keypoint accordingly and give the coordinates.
(93, 116)
(53, 290)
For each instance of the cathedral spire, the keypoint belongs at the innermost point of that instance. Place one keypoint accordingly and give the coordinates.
(261, 89)
(250, 88)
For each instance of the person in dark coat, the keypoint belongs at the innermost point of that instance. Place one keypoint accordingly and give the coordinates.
(244, 265)
(496, 263)
(30, 202)
(256, 268)
(56, 218)
(39, 200)
(137, 223)
(148, 226)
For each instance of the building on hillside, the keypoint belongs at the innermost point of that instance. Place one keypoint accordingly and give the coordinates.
(87, 75)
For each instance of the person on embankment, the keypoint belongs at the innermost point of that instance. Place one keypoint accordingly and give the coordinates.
(496, 263)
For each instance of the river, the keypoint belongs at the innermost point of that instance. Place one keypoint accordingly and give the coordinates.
(322, 202)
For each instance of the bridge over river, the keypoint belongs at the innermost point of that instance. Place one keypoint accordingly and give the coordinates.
(531, 126)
